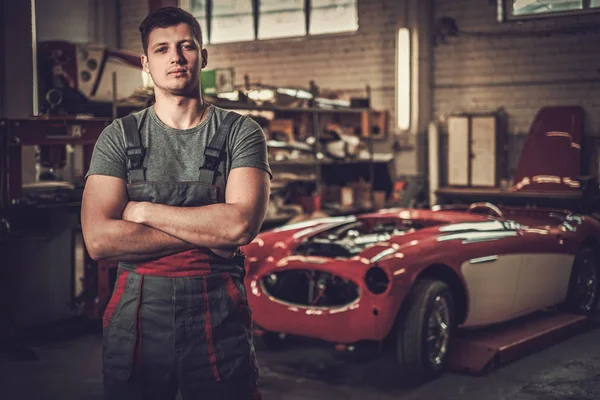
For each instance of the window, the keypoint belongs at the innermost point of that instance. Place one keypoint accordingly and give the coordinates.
(329, 16)
(281, 18)
(242, 20)
(518, 9)
(198, 9)
(528, 7)
(231, 21)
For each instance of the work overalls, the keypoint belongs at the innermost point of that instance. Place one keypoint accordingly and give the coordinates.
(180, 322)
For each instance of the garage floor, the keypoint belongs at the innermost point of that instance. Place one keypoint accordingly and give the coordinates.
(69, 368)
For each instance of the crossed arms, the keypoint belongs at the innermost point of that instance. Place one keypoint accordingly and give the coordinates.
(117, 229)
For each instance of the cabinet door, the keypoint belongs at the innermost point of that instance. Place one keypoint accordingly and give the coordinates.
(483, 149)
(458, 151)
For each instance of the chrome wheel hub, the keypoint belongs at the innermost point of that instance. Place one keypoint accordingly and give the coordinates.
(438, 331)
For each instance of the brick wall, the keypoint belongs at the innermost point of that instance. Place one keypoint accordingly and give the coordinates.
(341, 61)
(517, 71)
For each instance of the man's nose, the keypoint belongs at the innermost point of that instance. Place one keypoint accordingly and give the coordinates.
(177, 56)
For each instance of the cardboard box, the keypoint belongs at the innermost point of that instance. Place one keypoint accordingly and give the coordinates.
(282, 126)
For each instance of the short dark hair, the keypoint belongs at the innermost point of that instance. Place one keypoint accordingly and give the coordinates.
(166, 17)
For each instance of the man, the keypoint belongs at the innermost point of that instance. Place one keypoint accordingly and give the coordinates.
(172, 192)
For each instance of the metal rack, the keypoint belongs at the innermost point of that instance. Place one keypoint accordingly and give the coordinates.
(318, 158)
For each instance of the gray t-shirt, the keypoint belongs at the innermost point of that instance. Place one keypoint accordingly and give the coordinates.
(175, 155)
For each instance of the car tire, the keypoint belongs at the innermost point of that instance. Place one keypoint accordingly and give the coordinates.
(584, 285)
(421, 351)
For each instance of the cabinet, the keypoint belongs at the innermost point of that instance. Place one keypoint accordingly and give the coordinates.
(476, 150)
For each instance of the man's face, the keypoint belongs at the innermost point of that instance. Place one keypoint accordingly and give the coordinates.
(174, 59)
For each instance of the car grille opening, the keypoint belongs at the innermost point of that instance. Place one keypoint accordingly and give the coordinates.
(310, 288)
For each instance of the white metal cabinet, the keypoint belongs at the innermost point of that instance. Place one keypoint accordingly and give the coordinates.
(475, 146)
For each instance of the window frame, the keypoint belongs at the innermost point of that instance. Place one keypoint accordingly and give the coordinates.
(206, 30)
(209, 21)
(257, 15)
(505, 12)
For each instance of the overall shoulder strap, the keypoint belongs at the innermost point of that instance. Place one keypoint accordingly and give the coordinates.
(213, 154)
(134, 150)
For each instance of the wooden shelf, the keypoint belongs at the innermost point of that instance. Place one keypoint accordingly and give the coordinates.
(378, 158)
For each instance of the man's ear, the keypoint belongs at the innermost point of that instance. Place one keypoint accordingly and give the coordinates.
(144, 60)
(204, 54)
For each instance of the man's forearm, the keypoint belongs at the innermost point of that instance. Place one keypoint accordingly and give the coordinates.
(215, 226)
(128, 241)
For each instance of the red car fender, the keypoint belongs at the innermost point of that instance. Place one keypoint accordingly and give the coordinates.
(412, 263)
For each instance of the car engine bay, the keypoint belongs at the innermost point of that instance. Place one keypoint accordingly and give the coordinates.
(350, 239)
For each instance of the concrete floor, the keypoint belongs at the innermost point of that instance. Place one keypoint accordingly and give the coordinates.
(70, 369)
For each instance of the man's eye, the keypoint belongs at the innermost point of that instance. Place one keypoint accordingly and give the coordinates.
(188, 46)
(161, 50)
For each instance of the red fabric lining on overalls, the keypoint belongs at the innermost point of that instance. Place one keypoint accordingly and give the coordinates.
(114, 300)
(232, 290)
(195, 262)
(212, 357)
(138, 344)
(242, 311)
(234, 293)
(257, 395)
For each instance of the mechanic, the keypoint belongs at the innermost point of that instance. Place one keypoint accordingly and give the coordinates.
(172, 192)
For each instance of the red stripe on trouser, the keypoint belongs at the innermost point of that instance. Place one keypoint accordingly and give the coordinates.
(257, 395)
(208, 332)
(195, 262)
(114, 300)
(232, 290)
(138, 344)
(244, 316)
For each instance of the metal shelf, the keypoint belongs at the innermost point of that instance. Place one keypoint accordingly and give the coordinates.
(315, 113)
(267, 107)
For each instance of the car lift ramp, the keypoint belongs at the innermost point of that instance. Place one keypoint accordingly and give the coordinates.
(478, 351)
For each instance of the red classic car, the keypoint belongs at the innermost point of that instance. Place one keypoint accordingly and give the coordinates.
(415, 275)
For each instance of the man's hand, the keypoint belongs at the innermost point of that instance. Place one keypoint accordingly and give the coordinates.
(111, 234)
(225, 253)
(135, 212)
(221, 225)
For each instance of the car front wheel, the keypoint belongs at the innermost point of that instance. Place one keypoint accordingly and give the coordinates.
(425, 329)
(584, 286)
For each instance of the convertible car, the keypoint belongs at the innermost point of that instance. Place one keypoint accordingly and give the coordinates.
(412, 276)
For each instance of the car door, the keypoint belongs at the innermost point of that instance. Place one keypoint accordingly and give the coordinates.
(490, 268)
(545, 269)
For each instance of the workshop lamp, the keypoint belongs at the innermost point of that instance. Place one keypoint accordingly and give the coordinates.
(403, 79)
